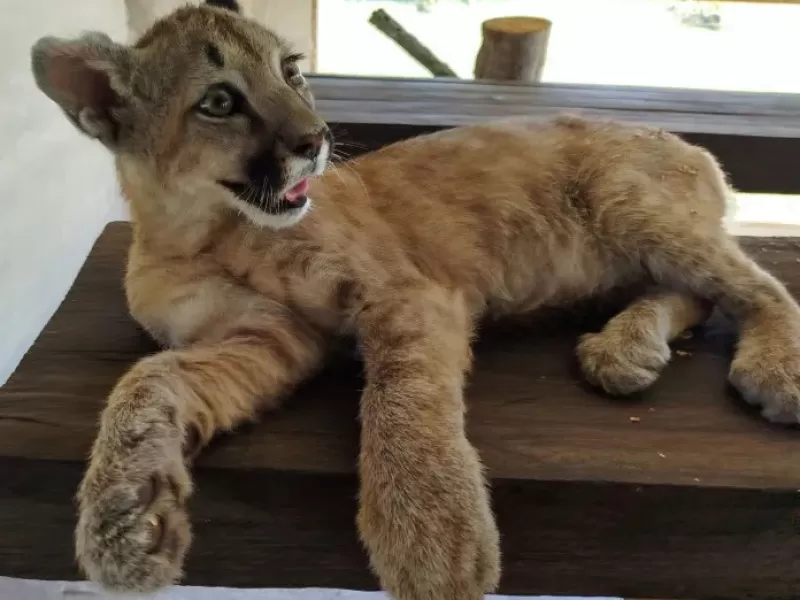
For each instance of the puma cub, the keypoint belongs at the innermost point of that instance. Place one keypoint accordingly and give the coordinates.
(249, 257)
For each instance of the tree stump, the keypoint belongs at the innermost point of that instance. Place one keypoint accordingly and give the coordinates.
(513, 49)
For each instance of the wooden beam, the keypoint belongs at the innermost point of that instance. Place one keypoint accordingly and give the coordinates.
(696, 500)
(756, 136)
(392, 29)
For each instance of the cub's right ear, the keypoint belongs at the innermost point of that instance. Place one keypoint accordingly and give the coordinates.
(87, 77)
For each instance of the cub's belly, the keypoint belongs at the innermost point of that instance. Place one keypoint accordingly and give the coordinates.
(557, 279)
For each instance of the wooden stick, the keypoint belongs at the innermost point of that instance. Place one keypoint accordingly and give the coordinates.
(513, 49)
(393, 30)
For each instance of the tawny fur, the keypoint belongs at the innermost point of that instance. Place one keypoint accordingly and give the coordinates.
(405, 249)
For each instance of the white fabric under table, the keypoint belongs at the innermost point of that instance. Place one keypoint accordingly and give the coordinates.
(24, 589)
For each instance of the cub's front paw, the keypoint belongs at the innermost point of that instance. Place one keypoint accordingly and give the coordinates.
(431, 534)
(766, 371)
(133, 530)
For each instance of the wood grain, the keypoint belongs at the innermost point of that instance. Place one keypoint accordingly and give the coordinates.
(696, 500)
(756, 136)
(513, 49)
(454, 102)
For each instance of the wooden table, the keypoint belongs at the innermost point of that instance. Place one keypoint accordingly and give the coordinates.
(698, 499)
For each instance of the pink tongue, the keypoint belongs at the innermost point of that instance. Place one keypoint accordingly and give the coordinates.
(301, 189)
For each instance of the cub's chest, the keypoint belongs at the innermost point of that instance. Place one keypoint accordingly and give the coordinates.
(311, 282)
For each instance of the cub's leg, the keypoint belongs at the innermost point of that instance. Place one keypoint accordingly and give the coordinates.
(628, 355)
(766, 366)
(133, 530)
(425, 515)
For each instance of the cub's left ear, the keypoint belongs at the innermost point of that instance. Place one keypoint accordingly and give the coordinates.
(229, 4)
(87, 77)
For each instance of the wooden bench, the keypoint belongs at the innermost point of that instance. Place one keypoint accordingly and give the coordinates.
(680, 493)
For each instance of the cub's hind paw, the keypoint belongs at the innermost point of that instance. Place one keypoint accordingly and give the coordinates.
(766, 373)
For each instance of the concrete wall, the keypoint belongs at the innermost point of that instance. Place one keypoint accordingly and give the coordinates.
(56, 188)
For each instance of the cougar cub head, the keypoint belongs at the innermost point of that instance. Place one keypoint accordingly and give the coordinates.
(207, 108)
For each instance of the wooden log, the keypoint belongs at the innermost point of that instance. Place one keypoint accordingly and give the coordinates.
(384, 22)
(513, 49)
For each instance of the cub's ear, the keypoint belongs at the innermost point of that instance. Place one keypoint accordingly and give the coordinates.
(229, 4)
(87, 78)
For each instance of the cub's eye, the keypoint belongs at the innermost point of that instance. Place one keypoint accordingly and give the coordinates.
(219, 102)
(291, 71)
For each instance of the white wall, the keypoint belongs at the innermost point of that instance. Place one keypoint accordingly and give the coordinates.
(56, 187)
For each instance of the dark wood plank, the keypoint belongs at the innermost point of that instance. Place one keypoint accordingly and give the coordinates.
(457, 102)
(696, 500)
(289, 529)
(754, 135)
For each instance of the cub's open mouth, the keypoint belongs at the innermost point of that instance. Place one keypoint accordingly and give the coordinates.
(294, 198)
(298, 193)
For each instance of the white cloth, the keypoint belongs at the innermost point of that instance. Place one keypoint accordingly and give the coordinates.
(23, 589)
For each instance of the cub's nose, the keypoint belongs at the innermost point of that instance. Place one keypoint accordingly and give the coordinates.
(310, 145)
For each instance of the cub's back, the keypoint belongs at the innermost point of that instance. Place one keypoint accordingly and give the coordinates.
(508, 207)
